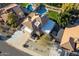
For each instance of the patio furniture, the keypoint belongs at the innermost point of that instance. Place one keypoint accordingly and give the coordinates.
(25, 45)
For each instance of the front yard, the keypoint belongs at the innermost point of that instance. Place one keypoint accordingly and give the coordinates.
(41, 46)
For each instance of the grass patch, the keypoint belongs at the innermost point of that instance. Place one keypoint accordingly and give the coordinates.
(23, 4)
(53, 15)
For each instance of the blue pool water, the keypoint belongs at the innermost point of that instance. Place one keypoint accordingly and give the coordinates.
(29, 7)
(41, 10)
(48, 26)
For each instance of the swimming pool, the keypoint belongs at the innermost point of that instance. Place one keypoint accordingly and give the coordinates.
(41, 10)
(28, 8)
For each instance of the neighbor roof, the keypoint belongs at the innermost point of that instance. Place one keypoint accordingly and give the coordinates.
(10, 6)
(5, 16)
(72, 32)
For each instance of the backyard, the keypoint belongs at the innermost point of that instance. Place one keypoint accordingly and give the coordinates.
(61, 19)
(23, 4)
(53, 15)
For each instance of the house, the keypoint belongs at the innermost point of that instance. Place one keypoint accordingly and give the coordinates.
(11, 8)
(35, 24)
(70, 38)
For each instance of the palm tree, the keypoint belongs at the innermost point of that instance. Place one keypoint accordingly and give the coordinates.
(67, 7)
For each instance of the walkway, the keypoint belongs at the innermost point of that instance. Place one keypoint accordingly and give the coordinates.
(52, 8)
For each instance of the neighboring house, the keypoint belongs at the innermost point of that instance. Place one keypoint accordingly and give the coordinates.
(70, 38)
(5, 17)
(35, 24)
(11, 8)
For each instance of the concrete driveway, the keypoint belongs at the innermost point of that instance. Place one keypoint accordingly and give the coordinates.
(18, 40)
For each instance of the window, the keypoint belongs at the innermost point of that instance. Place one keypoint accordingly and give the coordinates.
(37, 23)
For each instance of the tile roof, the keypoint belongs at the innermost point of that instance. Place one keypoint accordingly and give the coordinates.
(70, 33)
(9, 6)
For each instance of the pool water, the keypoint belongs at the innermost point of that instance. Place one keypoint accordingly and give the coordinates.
(29, 7)
(41, 10)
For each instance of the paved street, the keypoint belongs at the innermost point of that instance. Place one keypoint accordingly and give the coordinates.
(6, 50)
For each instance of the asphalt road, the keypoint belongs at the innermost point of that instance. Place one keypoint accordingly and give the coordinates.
(6, 50)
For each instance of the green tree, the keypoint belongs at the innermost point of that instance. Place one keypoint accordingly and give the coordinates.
(12, 20)
(67, 11)
(64, 19)
(67, 7)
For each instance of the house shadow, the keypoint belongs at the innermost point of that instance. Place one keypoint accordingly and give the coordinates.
(73, 25)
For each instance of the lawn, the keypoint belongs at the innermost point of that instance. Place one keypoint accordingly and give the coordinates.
(23, 4)
(53, 15)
